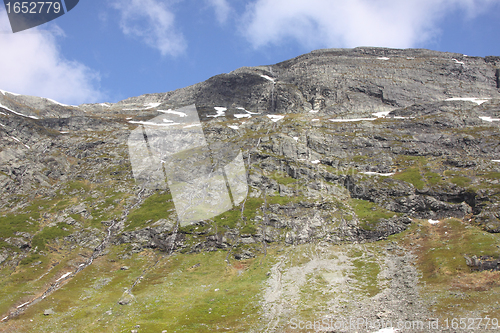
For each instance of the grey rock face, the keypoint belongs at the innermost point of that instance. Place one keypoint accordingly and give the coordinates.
(89, 238)
(18, 242)
(425, 148)
(483, 263)
(3, 257)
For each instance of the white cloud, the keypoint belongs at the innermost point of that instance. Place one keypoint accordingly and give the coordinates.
(31, 64)
(152, 22)
(222, 9)
(340, 23)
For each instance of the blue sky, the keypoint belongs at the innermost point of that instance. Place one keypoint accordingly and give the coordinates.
(105, 51)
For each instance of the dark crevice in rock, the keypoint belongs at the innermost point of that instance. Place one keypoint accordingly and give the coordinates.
(497, 74)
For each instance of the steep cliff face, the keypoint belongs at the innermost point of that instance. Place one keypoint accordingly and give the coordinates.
(338, 146)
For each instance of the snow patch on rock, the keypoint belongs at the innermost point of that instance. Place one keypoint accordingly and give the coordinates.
(220, 112)
(268, 78)
(170, 111)
(242, 116)
(243, 109)
(64, 276)
(166, 123)
(19, 114)
(489, 119)
(8, 92)
(370, 173)
(275, 117)
(476, 100)
(351, 120)
(192, 125)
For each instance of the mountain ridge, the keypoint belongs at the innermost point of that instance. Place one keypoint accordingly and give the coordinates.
(484, 76)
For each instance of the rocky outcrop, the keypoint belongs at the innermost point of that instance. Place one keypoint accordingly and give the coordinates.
(399, 196)
(483, 263)
(159, 235)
